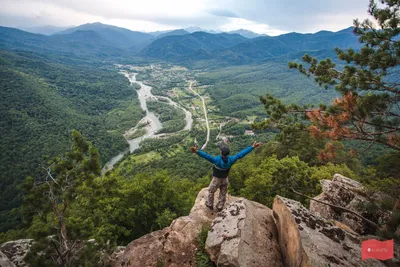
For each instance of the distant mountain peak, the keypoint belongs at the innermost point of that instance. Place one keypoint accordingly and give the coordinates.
(97, 24)
(119, 37)
(349, 29)
(247, 33)
(192, 29)
(173, 32)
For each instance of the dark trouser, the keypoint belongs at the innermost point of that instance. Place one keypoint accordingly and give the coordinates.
(222, 184)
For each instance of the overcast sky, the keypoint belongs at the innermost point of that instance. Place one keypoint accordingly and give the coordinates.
(272, 17)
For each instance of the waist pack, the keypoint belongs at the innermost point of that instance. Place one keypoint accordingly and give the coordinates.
(220, 173)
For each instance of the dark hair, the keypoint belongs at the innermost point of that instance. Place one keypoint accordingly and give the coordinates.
(224, 151)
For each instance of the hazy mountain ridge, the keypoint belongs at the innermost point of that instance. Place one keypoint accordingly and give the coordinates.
(184, 50)
(174, 32)
(179, 46)
(78, 43)
(247, 33)
(320, 40)
(119, 37)
(46, 29)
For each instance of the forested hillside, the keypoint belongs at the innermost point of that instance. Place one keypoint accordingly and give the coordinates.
(211, 50)
(43, 100)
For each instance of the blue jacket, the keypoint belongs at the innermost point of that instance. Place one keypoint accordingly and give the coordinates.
(221, 168)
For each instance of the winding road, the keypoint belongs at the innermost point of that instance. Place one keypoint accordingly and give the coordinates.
(205, 114)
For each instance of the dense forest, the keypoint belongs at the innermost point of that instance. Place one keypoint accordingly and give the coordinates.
(43, 100)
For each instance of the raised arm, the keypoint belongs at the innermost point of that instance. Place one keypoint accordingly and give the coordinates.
(245, 151)
(242, 153)
(204, 155)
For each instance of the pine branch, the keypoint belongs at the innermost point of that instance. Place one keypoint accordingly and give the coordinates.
(339, 208)
(377, 125)
(374, 140)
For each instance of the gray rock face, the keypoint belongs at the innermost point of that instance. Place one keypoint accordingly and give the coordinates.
(350, 194)
(309, 240)
(244, 234)
(5, 261)
(173, 246)
(145, 251)
(16, 250)
(249, 234)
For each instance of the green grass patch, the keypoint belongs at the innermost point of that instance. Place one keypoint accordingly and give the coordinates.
(144, 158)
(202, 257)
(138, 133)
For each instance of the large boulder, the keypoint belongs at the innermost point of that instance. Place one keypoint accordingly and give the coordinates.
(350, 194)
(17, 250)
(172, 246)
(309, 240)
(244, 234)
(5, 261)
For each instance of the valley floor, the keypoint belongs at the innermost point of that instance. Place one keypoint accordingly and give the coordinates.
(165, 91)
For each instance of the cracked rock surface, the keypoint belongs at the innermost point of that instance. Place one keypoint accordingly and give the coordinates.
(244, 234)
(309, 240)
(350, 194)
(173, 246)
(5, 261)
(16, 251)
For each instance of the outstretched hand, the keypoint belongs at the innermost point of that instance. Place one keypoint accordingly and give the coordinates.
(193, 149)
(255, 144)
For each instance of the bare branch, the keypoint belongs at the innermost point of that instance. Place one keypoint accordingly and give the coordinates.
(376, 227)
(49, 174)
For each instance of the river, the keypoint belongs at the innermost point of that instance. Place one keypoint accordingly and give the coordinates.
(153, 123)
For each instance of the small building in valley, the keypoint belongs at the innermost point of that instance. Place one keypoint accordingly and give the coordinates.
(249, 132)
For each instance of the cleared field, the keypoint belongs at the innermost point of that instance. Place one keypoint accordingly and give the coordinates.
(144, 158)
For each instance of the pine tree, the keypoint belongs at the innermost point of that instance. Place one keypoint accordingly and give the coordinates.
(48, 201)
(368, 108)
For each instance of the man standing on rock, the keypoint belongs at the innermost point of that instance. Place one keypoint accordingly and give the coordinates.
(222, 165)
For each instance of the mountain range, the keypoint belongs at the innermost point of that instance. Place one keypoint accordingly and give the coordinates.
(45, 30)
(234, 49)
(184, 46)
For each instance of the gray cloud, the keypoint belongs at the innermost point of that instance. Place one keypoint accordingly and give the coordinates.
(223, 13)
(301, 15)
(286, 15)
(19, 21)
